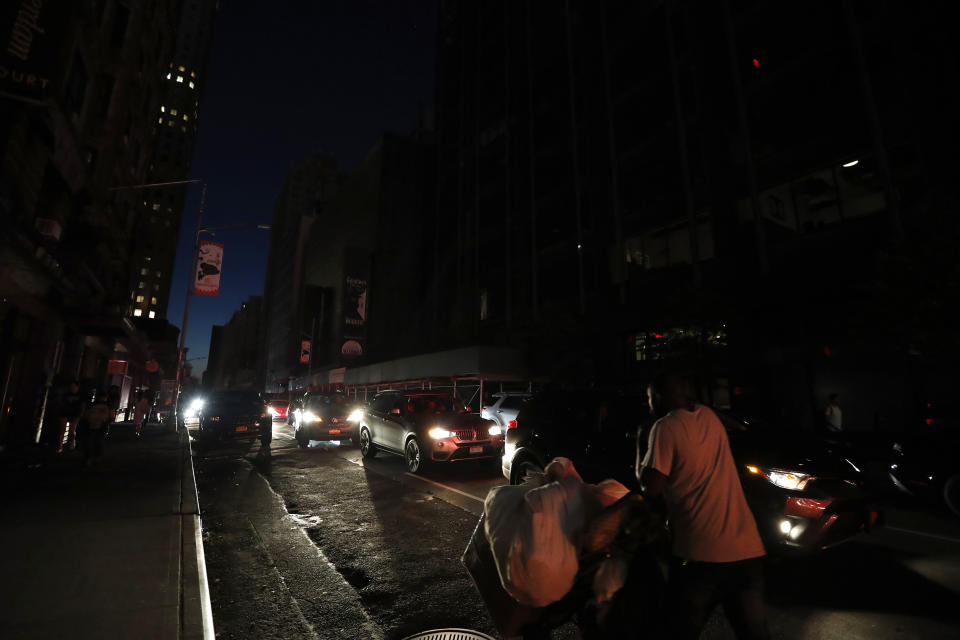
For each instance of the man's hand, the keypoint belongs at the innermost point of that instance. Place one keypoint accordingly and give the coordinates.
(652, 482)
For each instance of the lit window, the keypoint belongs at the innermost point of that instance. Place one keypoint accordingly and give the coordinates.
(141, 285)
(163, 109)
(138, 312)
(168, 76)
(161, 121)
(157, 286)
(173, 112)
(143, 271)
(146, 258)
(169, 123)
(153, 300)
(193, 74)
(140, 298)
(191, 84)
(181, 68)
(180, 79)
(156, 206)
(184, 129)
(185, 117)
(152, 314)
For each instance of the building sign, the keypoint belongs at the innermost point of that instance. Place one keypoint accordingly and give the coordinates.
(209, 261)
(335, 376)
(305, 351)
(117, 368)
(31, 32)
(355, 289)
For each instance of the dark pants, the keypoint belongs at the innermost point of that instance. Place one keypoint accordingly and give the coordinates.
(695, 588)
(93, 442)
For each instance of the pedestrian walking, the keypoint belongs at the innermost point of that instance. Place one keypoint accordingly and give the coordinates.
(833, 415)
(95, 418)
(69, 408)
(140, 409)
(717, 551)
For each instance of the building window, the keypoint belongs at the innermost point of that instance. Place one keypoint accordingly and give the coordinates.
(163, 109)
(152, 314)
(168, 76)
(139, 298)
(161, 121)
(157, 286)
(153, 300)
(156, 206)
(191, 84)
(137, 312)
(141, 285)
(143, 271)
(173, 112)
(158, 274)
(181, 68)
(193, 74)
(186, 117)
(180, 79)
(146, 258)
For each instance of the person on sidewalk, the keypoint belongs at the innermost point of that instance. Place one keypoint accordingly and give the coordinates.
(95, 419)
(717, 551)
(140, 409)
(68, 416)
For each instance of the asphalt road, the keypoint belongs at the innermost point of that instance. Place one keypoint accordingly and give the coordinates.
(321, 544)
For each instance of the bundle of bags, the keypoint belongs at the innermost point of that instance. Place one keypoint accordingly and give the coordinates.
(541, 532)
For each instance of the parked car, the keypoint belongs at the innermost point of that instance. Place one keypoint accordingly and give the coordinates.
(804, 494)
(324, 416)
(426, 427)
(227, 416)
(505, 407)
(926, 466)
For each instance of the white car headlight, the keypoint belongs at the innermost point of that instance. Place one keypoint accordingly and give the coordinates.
(311, 417)
(494, 430)
(789, 479)
(438, 433)
(355, 416)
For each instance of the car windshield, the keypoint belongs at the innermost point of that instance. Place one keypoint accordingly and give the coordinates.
(431, 404)
(234, 399)
(327, 400)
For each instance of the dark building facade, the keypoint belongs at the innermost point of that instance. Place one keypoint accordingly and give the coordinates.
(173, 136)
(235, 349)
(698, 181)
(307, 189)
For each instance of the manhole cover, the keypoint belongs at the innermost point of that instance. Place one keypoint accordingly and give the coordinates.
(450, 634)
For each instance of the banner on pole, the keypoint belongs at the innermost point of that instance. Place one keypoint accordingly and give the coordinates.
(209, 261)
(305, 351)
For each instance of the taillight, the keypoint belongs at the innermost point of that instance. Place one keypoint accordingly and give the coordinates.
(482, 409)
(512, 424)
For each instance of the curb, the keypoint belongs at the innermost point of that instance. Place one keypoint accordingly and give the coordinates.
(196, 619)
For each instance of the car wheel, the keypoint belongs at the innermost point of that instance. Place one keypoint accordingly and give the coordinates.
(413, 457)
(951, 493)
(302, 440)
(521, 469)
(367, 448)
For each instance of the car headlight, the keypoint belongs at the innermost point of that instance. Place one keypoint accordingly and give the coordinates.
(438, 433)
(311, 417)
(197, 404)
(271, 411)
(494, 430)
(355, 416)
(792, 480)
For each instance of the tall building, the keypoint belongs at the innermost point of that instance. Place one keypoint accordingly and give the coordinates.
(706, 181)
(235, 349)
(307, 189)
(79, 84)
(176, 118)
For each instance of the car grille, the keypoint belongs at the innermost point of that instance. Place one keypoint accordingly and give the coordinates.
(466, 434)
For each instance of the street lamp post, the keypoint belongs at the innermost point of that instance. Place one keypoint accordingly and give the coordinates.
(190, 282)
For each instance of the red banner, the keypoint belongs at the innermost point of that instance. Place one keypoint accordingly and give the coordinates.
(206, 281)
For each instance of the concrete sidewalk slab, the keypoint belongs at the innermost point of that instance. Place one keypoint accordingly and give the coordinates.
(101, 552)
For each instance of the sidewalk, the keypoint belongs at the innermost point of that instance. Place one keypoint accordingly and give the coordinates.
(113, 551)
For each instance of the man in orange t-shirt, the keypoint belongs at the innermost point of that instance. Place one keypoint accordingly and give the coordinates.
(717, 551)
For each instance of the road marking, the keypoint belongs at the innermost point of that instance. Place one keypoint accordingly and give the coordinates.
(924, 534)
(443, 486)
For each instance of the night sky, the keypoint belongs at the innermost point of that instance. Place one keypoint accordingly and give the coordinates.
(286, 80)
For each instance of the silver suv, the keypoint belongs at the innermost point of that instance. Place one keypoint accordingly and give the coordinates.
(506, 406)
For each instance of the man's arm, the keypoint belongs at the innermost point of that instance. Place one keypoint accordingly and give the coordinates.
(652, 482)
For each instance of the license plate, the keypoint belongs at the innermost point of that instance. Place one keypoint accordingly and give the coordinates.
(333, 431)
(241, 428)
(474, 450)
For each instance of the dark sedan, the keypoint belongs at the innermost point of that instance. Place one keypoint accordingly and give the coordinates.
(227, 416)
(427, 427)
(324, 416)
(926, 465)
(804, 494)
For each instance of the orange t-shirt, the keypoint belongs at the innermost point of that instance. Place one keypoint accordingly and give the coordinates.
(709, 515)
